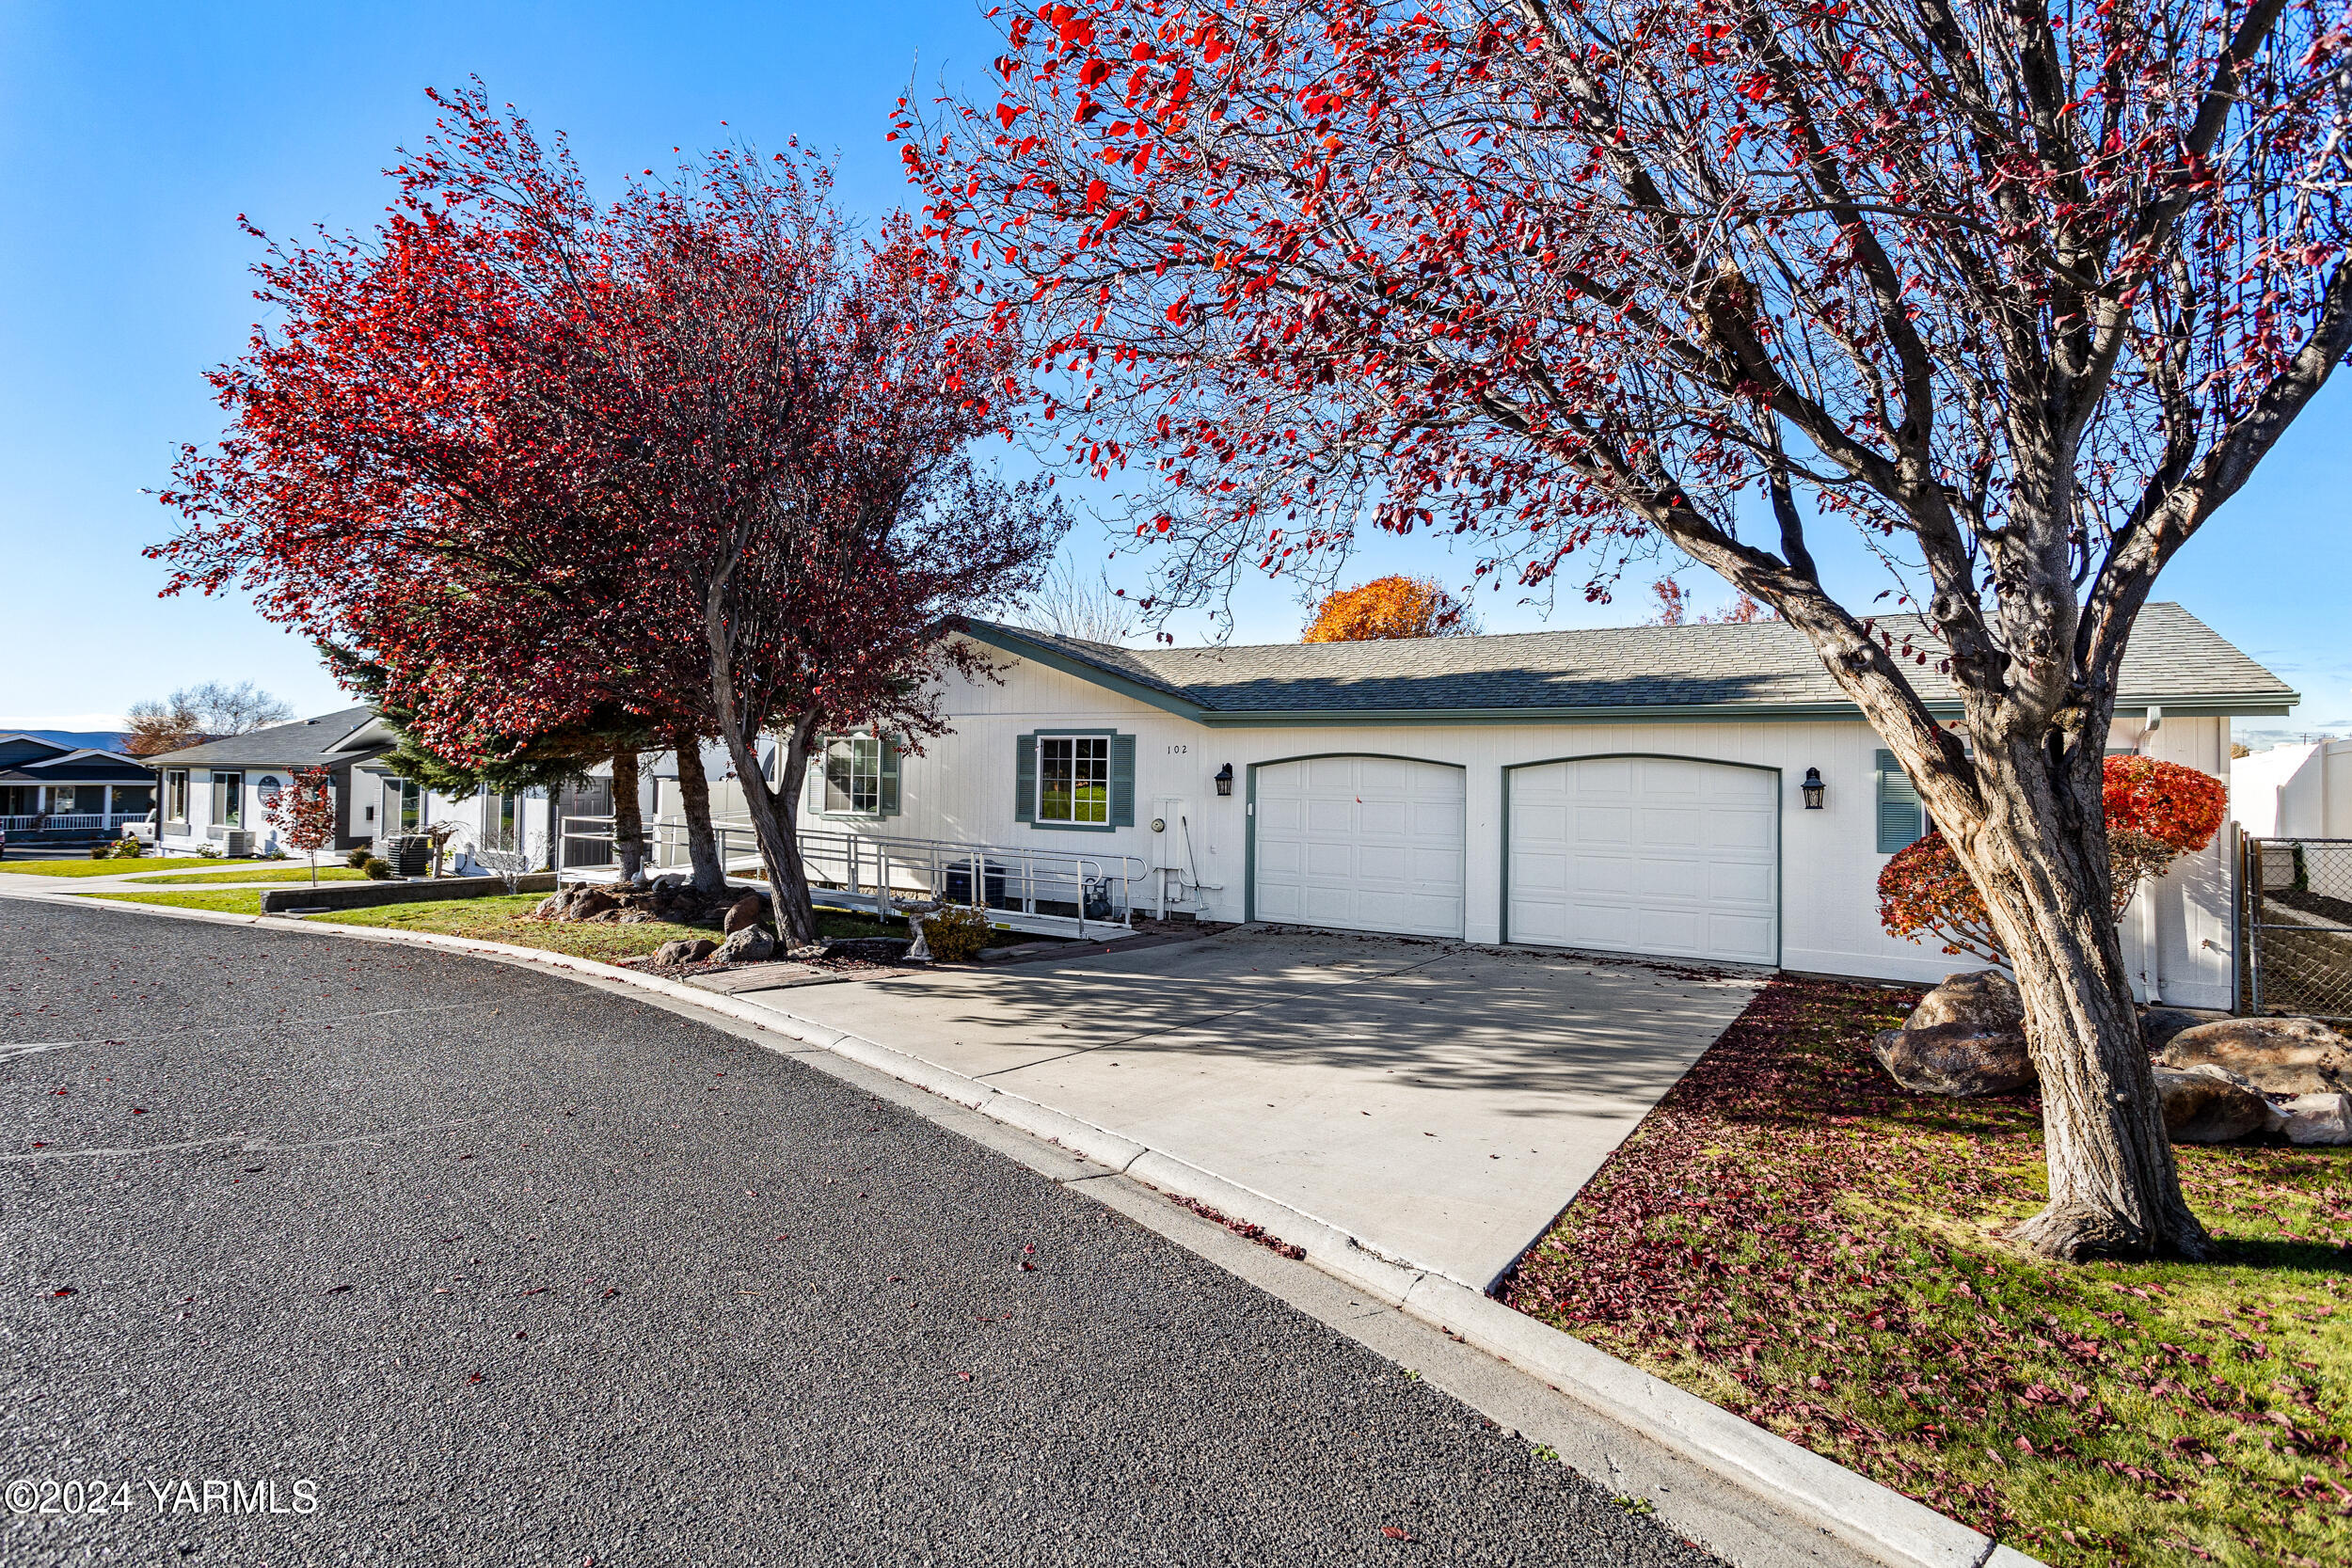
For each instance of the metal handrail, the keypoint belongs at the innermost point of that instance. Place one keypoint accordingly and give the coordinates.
(1010, 883)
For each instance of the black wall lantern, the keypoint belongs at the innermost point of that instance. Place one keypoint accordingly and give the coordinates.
(1812, 788)
(1225, 780)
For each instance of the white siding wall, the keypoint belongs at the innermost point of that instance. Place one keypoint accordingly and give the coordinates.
(961, 787)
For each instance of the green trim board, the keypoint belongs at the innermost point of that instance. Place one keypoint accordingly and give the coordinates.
(1250, 823)
(1780, 861)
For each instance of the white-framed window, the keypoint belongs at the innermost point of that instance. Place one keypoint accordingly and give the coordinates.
(854, 775)
(1073, 778)
(176, 795)
(228, 799)
(500, 813)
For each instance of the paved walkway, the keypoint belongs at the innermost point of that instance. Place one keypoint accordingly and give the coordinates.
(1440, 1102)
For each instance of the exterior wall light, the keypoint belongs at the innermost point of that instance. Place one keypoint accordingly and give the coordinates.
(1812, 788)
(1225, 780)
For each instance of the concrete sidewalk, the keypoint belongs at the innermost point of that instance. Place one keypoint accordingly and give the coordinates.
(1440, 1102)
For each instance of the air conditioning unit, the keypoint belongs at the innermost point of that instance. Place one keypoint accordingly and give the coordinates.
(235, 843)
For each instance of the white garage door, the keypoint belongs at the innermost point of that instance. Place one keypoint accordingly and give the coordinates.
(1362, 844)
(1646, 855)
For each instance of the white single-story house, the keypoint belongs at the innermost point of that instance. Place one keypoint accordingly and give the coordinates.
(1640, 790)
(2298, 791)
(218, 793)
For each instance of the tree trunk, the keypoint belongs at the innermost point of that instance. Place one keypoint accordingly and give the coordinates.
(629, 822)
(2040, 859)
(775, 821)
(693, 788)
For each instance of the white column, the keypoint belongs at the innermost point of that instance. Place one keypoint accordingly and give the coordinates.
(107, 804)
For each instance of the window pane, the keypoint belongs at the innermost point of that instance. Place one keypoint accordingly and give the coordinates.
(865, 774)
(1093, 801)
(1056, 760)
(837, 775)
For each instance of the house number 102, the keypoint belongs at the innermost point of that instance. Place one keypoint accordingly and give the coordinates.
(1178, 751)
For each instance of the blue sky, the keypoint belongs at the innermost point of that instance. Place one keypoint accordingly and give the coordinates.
(132, 136)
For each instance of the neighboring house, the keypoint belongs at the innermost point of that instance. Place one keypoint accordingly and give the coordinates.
(54, 788)
(1635, 790)
(2302, 791)
(218, 793)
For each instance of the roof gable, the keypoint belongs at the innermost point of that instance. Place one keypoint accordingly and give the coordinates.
(305, 744)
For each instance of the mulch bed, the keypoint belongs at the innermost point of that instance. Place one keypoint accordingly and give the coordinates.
(1794, 1237)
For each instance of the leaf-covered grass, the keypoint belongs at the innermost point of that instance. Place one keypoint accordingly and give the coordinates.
(228, 900)
(1793, 1237)
(85, 866)
(275, 874)
(507, 917)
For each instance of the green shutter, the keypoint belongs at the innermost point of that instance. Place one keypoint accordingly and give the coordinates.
(1900, 820)
(1122, 780)
(1024, 778)
(889, 775)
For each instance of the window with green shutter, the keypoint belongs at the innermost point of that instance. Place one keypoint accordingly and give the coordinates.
(1082, 780)
(1902, 821)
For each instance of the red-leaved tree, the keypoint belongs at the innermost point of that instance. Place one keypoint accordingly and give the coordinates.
(2022, 293)
(304, 813)
(2155, 812)
(695, 457)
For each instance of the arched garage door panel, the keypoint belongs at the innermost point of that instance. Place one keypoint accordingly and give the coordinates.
(1648, 855)
(1363, 844)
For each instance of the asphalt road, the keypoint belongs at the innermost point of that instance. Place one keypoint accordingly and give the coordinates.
(499, 1269)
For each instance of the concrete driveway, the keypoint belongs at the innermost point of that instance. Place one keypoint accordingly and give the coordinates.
(1440, 1102)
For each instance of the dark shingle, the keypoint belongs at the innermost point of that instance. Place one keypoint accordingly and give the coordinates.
(1764, 665)
(303, 743)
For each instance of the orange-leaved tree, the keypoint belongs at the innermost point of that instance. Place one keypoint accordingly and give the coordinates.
(1390, 606)
(2157, 812)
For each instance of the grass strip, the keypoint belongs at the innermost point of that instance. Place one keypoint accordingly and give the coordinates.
(88, 867)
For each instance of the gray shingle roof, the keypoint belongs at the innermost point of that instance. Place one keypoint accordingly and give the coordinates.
(1763, 667)
(303, 743)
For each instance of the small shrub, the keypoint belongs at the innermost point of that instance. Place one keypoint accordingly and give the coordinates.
(956, 935)
(376, 869)
(357, 856)
(101, 853)
(128, 850)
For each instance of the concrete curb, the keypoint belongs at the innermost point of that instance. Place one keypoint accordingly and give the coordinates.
(1858, 1511)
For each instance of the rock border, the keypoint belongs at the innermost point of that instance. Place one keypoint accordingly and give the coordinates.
(1842, 1503)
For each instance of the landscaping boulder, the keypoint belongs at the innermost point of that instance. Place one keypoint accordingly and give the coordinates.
(1955, 1060)
(2278, 1055)
(745, 911)
(2158, 1025)
(1981, 1000)
(2206, 1104)
(684, 951)
(746, 946)
(550, 907)
(2317, 1118)
(590, 902)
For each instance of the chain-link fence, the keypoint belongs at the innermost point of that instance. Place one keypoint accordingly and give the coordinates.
(2298, 926)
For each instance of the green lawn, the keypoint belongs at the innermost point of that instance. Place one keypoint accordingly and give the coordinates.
(88, 867)
(1791, 1236)
(276, 874)
(235, 900)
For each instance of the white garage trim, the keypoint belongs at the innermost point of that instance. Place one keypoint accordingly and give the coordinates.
(1252, 859)
(1774, 815)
